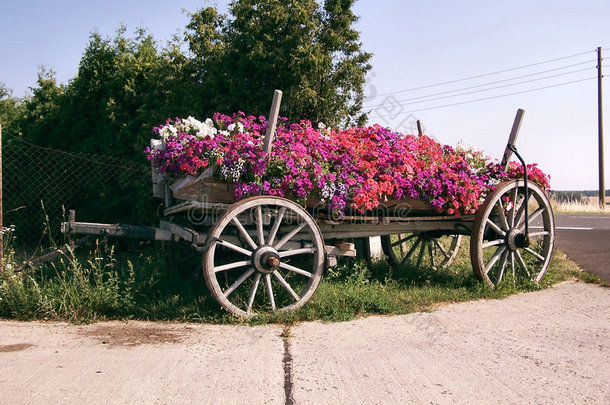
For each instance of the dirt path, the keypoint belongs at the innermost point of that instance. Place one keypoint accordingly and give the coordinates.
(551, 346)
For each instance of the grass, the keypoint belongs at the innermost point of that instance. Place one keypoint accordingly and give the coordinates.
(589, 205)
(165, 283)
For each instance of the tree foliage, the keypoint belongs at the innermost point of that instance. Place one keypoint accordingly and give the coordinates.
(11, 110)
(311, 53)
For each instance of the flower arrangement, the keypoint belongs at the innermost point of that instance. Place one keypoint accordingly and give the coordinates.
(355, 168)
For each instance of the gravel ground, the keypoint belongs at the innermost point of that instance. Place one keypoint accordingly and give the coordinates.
(551, 346)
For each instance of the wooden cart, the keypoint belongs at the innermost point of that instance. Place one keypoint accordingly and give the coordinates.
(270, 253)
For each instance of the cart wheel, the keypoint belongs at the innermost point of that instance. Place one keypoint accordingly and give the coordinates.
(265, 253)
(419, 249)
(498, 242)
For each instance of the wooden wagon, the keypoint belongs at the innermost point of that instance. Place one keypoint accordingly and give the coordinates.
(270, 253)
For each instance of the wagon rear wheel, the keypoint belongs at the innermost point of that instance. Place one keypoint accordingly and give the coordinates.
(498, 244)
(421, 249)
(264, 253)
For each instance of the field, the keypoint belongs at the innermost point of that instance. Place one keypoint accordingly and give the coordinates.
(586, 205)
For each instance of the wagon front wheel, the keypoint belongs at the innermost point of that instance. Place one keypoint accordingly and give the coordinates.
(499, 245)
(421, 249)
(264, 253)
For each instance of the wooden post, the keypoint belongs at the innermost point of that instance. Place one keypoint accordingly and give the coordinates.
(420, 131)
(512, 138)
(272, 122)
(600, 131)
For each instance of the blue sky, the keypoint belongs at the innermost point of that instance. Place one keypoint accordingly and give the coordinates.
(415, 44)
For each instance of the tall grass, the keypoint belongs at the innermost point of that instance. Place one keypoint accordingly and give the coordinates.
(152, 281)
(588, 205)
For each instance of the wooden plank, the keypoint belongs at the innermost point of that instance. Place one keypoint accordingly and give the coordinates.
(206, 189)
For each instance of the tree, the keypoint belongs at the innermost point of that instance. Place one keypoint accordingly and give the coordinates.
(313, 54)
(11, 110)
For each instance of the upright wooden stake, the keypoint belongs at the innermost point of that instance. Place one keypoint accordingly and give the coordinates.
(600, 131)
(512, 138)
(272, 122)
(420, 131)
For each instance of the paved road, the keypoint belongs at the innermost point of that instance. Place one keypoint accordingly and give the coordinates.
(586, 240)
(547, 347)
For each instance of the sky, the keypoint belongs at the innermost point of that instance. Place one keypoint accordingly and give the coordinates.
(461, 67)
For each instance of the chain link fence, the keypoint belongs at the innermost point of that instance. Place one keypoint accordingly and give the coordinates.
(41, 184)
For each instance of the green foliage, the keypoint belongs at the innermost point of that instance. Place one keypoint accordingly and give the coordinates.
(313, 54)
(11, 110)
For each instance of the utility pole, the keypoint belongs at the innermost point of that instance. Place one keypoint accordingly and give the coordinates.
(600, 131)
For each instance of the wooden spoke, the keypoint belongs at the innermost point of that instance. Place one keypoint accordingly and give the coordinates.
(235, 248)
(238, 282)
(430, 251)
(501, 266)
(502, 215)
(538, 234)
(289, 236)
(294, 252)
(534, 215)
(493, 243)
(535, 254)
(295, 270)
(259, 225)
(495, 227)
(422, 248)
(233, 265)
(287, 286)
(442, 249)
(244, 233)
(522, 264)
(269, 289)
(410, 252)
(276, 225)
(513, 200)
(499, 252)
(521, 212)
(257, 279)
(403, 240)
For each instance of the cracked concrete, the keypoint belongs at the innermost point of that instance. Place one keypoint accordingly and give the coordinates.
(551, 346)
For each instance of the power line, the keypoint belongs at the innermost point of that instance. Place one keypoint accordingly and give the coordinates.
(486, 98)
(488, 89)
(490, 83)
(482, 75)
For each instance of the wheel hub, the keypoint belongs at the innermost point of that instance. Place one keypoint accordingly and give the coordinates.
(515, 239)
(266, 259)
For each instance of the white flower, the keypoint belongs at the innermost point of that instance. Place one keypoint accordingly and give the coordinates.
(168, 130)
(238, 125)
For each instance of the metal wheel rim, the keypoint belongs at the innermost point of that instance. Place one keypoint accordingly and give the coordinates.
(418, 248)
(251, 281)
(492, 250)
